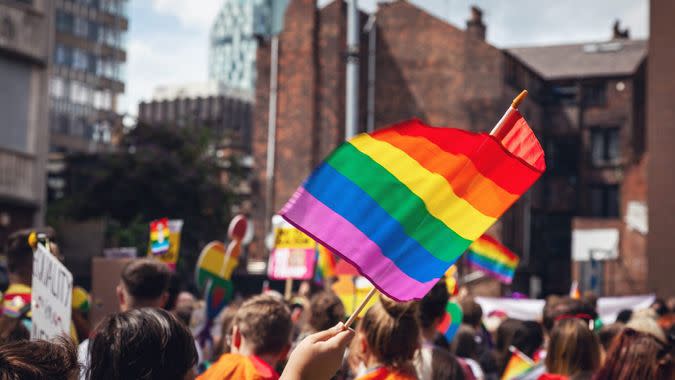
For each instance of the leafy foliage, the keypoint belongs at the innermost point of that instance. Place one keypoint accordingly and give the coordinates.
(156, 172)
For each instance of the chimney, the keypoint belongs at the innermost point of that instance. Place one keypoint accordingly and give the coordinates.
(618, 33)
(475, 26)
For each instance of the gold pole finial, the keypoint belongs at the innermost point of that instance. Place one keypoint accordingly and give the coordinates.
(516, 102)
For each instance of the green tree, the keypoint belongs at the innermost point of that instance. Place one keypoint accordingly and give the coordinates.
(156, 172)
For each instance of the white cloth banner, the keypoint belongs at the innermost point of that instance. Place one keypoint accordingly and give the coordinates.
(51, 299)
(531, 310)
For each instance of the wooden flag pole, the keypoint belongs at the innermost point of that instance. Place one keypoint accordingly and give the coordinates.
(288, 291)
(363, 304)
(498, 132)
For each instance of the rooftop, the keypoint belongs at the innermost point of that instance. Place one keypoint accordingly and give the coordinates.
(616, 57)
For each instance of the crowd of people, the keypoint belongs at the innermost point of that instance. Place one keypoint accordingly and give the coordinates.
(266, 337)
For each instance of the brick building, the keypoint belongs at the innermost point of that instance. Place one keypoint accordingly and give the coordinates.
(586, 105)
(660, 136)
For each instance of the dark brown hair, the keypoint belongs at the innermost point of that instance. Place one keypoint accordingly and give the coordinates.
(573, 348)
(145, 343)
(145, 279)
(473, 313)
(265, 322)
(12, 330)
(432, 306)
(608, 333)
(325, 310)
(39, 360)
(392, 332)
(636, 355)
(20, 256)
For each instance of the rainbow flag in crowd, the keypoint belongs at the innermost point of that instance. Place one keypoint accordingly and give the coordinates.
(159, 236)
(451, 320)
(325, 264)
(575, 293)
(403, 203)
(488, 255)
(518, 365)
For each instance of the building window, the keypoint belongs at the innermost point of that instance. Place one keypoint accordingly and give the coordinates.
(595, 94)
(566, 94)
(80, 60)
(81, 27)
(605, 146)
(63, 55)
(604, 201)
(64, 22)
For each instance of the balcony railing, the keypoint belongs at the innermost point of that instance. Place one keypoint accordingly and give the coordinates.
(17, 176)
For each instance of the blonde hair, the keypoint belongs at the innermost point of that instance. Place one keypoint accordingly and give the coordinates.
(573, 348)
(392, 332)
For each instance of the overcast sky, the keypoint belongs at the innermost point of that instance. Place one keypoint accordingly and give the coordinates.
(168, 39)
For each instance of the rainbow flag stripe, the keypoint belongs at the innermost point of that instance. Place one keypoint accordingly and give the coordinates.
(518, 365)
(325, 264)
(403, 203)
(488, 255)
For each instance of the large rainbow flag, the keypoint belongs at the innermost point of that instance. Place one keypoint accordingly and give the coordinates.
(403, 203)
(488, 255)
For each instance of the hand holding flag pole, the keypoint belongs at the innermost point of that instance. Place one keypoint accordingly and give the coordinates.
(500, 132)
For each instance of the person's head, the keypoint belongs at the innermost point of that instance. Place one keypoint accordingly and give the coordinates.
(636, 355)
(325, 311)
(12, 329)
(607, 334)
(528, 338)
(143, 283)
(566, 308)
(624, 316)
(473, 313)
(389, 333)
(573, 348)
(39, 360)
(183, 307)
(647, 325)
(145, 343)
(445, 365)
(432, 306)
(464, 344)
(20, 259)
(226, 317)
(262, 326)
(505, 333)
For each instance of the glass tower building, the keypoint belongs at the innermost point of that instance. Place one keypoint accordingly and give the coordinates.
(234, 39)
(87, 75)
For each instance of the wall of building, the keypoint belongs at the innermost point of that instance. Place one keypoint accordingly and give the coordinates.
(660, 136)
(25, 41)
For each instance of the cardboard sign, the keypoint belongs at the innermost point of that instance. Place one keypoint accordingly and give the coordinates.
(294, 263)
(289, 237)
(159, 236)
(52, 288)
(170, 256)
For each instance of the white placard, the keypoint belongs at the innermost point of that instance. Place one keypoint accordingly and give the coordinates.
(51, 301)
(598, 244)
(637, 217)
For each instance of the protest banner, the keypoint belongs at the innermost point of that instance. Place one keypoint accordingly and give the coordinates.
(52, 288)
(159, 236)
(293, 255)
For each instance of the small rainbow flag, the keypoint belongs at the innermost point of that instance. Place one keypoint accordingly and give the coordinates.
(325, 264)
(159, 236)
(451, 320)
(518, 365)
(403, 203)
(488, 255)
